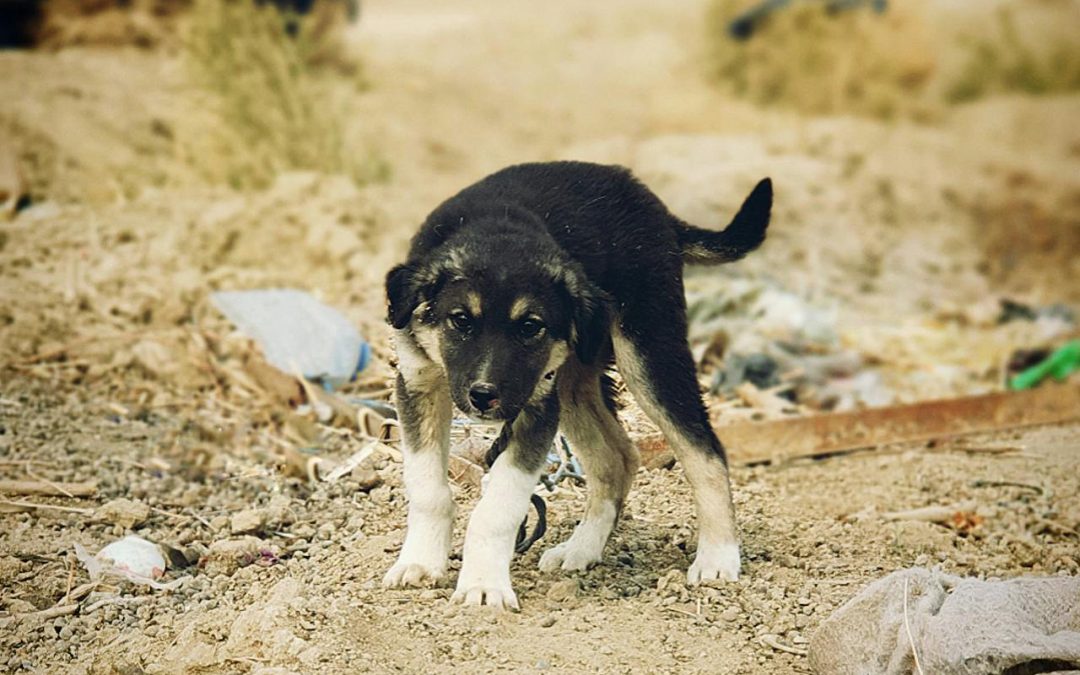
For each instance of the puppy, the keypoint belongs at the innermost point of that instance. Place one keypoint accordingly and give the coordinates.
(517, 296)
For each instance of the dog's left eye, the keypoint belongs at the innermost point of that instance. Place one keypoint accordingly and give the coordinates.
(461, 321)
(530, 328)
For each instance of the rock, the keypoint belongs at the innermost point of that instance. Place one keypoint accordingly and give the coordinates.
(548, 622)
(123, 512)
(278, 512)
(567, 589)
(248, 521)
(228, 555)
(671, 582)
(366, 478)
(154, 358)
(730, 614)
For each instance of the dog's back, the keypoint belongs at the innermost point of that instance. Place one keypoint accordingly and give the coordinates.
(601, 215)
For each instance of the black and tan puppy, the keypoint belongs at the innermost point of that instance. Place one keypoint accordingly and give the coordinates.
(518, 294)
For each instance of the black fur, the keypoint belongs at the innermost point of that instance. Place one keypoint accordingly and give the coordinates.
(594, 246)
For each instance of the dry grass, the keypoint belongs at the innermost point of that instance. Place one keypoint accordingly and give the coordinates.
(910, 61)
(1007, 61)
(855, 62)
(270, 111)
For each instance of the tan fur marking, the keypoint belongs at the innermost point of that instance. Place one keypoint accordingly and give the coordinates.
(472, 301)
(519, 307)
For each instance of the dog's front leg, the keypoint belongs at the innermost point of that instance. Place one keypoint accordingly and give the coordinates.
(424, 407)
(489, 539)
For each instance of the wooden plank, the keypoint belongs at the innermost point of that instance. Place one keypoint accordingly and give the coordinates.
(777, 440)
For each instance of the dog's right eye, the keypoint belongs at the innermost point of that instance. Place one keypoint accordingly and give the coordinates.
(461, 321)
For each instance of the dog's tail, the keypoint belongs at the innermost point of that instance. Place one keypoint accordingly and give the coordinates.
(744, 234)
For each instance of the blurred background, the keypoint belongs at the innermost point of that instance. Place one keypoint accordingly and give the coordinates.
(924, 242)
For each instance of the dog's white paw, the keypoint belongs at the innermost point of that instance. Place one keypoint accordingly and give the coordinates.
(570, 556)
(486, 594)
(405, 574)
(716, 562)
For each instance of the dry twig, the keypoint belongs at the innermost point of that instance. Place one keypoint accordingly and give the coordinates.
(47, 487)
(28, 506)
(907, 628)
(771, 641)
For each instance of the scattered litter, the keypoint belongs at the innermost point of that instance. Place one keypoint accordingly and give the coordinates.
(1011, 310)
(132, 558)
(567, 466)
(1061, 363)
(931, 514)
(863, 390)
(754, 314)
(766, 401)
(381, 407)
(957, 625)
(297, 332)
(760, 370)
(353, 462)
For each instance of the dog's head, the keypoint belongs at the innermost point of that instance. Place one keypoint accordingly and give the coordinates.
(500, 315)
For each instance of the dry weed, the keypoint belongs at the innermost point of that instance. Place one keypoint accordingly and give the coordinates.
(269, 111)
(1007, 61)
(855, 62)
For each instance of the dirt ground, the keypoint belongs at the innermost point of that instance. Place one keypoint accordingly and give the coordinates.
(117, 369)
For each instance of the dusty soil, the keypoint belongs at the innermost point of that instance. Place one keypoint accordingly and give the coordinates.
(117, 369)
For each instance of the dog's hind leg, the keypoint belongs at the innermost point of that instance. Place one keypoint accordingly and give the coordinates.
(423, 399)
(652, 354)
(609, 460)
(489, 540)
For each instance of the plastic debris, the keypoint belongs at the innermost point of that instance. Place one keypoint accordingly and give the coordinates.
(297, 333)
(1060, 364)
(132, 558)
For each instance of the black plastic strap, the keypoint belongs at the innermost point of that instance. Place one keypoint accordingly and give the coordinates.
(524, 542)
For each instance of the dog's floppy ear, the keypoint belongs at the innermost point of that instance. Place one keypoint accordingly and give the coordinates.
(407, 286)
(589, 314)
(402, 294)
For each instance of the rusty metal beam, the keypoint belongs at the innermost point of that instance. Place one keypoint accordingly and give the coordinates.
(758, 442)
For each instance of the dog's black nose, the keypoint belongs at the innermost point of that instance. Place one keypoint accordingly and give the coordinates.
(484, 396)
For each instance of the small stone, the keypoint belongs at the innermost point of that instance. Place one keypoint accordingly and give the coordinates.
(279, 512)
(803, 601)
(366, 478)
(671, 582)
(123, 512)
(548, 622)
(566, 589)
(730, 614)
(248, 521)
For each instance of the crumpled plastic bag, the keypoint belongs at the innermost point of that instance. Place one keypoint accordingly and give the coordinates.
(297, 333)
(132, 558)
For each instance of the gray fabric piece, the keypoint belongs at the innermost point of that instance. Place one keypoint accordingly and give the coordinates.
(963, 626)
